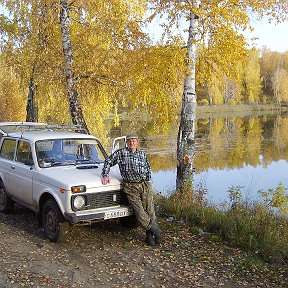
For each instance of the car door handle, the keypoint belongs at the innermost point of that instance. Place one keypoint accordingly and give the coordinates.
(13, 167)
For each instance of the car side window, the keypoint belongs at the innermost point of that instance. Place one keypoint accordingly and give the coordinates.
(8, 149)
(23, 153)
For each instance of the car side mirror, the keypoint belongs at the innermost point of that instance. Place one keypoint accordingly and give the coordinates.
(119, 142)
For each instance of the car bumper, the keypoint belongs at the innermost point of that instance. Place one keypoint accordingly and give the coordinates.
(94, 216)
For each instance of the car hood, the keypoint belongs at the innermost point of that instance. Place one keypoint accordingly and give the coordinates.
(67, 176)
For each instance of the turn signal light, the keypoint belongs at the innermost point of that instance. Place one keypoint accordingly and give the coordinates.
(78, 189)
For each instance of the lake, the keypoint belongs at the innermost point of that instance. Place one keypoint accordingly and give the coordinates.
(250, 151)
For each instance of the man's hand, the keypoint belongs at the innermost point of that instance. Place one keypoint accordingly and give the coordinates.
(105, 180)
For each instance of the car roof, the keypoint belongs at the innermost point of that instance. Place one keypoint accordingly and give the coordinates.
(48, 135)
(8, 127)
(34, 131)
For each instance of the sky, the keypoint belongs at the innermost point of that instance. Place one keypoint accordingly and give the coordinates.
(275, 37)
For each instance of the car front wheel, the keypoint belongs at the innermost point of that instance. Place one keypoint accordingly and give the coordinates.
(6, 204)
(53, 221)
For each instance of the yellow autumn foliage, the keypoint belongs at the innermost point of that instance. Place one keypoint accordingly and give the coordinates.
(13, 105)
(116, 64)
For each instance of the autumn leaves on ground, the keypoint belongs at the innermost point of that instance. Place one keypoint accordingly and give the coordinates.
(107, 255)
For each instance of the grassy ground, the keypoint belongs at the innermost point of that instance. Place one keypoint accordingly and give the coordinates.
(260, 228)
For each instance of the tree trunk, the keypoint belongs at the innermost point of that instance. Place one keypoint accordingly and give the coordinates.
(186, 133)
(31, 108)
(72, 93)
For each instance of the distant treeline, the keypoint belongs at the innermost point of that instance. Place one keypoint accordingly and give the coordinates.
(262, 78)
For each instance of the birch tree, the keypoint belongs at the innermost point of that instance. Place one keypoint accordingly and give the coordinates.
(72, 93)
(28, 33)
(186, 132)
(102, 42)
(39, 22)
(252, 78)
(270, 62)
(221, 23)
(20, 24)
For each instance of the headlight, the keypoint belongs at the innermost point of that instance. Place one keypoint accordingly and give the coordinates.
(79, 202)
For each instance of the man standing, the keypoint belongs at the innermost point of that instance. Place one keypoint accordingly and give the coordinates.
(136, 173)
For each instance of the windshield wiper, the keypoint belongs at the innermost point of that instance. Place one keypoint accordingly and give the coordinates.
(86, 161)
(59, 163)
(87, 166)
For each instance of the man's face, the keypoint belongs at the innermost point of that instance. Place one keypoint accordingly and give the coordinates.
(132, 144)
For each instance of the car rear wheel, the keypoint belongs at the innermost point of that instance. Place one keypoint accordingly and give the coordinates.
(6, 204)
(53, 221)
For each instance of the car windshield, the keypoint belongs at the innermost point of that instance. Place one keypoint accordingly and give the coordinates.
(61, 152)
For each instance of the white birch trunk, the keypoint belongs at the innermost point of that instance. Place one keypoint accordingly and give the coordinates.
(186, 133)
(73, 97)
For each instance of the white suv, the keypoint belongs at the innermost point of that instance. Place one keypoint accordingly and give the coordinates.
(58, 175)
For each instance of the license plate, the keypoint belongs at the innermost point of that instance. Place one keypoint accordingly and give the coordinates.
(118, 213)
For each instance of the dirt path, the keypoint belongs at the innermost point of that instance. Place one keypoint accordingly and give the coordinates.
(111, 256)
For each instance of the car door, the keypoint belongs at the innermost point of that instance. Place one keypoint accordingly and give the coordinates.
(22, 173)
(7, 162)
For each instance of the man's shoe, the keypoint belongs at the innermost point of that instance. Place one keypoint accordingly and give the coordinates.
(156, 231)
(149, 238)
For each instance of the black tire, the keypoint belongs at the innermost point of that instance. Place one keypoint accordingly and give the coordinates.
(6, 204)
(129, 221)
(53, 221)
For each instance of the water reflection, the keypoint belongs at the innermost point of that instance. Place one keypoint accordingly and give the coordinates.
(248, 151)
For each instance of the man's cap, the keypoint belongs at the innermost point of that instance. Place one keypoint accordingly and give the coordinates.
(132, 136)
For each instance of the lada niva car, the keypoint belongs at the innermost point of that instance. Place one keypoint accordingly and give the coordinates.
(57, 174)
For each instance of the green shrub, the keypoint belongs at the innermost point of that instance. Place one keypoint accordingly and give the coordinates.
(256, 227)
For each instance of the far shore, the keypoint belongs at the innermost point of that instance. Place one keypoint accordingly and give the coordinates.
(240, 110)
(220, 111)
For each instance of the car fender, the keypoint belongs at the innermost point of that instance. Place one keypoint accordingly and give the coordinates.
(50, 194)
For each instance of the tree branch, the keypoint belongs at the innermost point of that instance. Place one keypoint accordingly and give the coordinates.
(82, 76)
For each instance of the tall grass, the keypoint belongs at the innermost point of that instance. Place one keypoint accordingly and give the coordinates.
(260, 227)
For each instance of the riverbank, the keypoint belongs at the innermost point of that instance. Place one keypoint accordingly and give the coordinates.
(107, 255)
(218, 111)
(240, 110)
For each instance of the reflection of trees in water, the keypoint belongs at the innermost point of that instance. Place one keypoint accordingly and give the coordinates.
(158, 163)
(235, 142)
(278, 148)
(227, 142)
